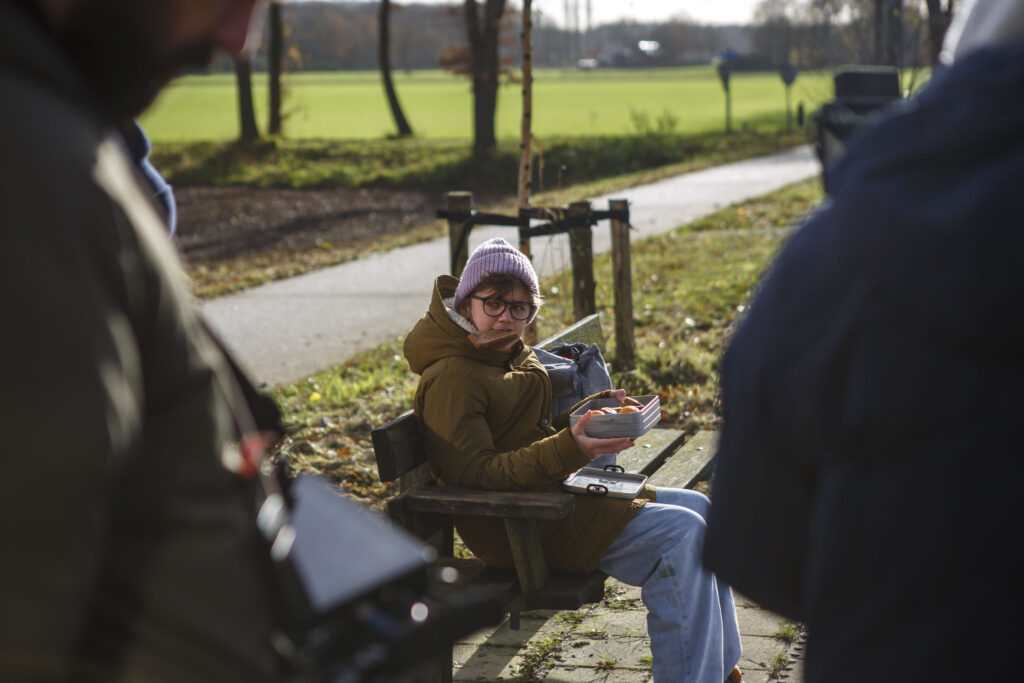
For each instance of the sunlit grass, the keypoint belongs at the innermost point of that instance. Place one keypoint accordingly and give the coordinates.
(351, 104)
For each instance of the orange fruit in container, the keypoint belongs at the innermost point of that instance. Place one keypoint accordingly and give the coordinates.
(629, 409)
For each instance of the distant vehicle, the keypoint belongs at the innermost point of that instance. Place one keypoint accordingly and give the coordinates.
(586, 63)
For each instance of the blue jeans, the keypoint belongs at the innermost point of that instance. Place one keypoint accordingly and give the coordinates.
(691, 619)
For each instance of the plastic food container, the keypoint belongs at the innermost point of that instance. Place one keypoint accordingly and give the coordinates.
(611, 482)
(629, 425)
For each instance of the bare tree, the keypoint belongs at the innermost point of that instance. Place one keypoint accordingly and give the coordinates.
(246, 113)
(774, 34)
(384, 63)
(483, 30)
(888, 32)
(481, 61)
(939, 14)
(275, 59)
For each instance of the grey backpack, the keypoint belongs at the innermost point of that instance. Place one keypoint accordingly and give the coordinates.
(576, 371)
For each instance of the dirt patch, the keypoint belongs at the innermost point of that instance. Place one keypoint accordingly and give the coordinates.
(218, 223)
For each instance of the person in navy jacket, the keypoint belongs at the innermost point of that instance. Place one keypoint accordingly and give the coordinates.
(869, 467)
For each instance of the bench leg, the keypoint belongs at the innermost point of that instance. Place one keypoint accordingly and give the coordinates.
(527, 553)
(513, 619)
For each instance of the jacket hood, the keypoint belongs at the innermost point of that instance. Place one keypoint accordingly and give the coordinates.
(436, 336)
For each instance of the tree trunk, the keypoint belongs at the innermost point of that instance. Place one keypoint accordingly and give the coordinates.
(246, 113)
(526, 132)
(895, 33)
(938, 22)
(888, 32)
(384, 62)
(483, 58)
(275, 57)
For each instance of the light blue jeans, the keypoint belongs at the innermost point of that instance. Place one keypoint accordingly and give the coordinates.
(691, 618)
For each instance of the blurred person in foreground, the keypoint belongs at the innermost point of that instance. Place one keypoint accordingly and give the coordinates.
(870, 456)
(129, 547)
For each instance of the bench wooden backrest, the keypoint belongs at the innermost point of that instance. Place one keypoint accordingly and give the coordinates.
(586, 330)
(398, 446)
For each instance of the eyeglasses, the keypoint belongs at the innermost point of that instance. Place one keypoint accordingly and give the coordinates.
(519, 310)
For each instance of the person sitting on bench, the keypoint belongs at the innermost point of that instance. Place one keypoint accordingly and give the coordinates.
(484, 400)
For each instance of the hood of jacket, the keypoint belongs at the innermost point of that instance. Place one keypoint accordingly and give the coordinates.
(437, 336)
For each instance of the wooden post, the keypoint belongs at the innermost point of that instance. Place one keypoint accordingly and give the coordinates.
(581, 249)
(526, 135)
(526, 130)
(622, 279)
(458, 203)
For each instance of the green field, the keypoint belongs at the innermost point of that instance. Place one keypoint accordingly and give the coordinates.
(351, 105)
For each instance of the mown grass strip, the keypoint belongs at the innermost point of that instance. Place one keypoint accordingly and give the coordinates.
(439, 105)
(689, 286)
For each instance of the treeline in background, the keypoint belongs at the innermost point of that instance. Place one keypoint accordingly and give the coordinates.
(810, 34)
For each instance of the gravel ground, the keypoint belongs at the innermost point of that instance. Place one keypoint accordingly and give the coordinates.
(216, 223)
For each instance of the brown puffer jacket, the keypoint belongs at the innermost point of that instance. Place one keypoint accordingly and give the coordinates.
(487, 424)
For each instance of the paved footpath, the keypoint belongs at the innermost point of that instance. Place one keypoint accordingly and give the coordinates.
(608, 642)
(284, 330)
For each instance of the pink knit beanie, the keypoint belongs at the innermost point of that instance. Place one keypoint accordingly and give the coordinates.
(493, 257)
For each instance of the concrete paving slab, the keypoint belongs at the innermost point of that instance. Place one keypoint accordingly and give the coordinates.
(608, 641)
(757, 621)
(585, 674)
(615, 623)
(285, 330)
(485, 663)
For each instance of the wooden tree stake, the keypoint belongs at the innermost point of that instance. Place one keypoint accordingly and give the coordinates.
(458, 203)
(581, 252)
(622, 280)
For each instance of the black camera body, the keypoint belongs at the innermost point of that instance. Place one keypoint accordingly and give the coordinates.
(359, 599)
(860, 93)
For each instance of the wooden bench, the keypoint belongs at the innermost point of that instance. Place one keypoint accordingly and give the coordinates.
(652, 448)
(426, 509)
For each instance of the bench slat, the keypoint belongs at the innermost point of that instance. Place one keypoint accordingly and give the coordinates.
(447, 500)
(690, 464)
(651, 450)
(586, 330)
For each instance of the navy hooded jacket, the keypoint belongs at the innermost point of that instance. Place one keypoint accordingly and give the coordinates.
(869, 466)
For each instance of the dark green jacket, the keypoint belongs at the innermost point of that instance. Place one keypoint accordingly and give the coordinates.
(487, 423)
(128, 548)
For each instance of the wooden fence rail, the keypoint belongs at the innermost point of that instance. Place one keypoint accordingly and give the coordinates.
(577, 220)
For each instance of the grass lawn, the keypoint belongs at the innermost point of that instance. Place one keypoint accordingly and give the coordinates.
(351, 105)
(689, 286)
